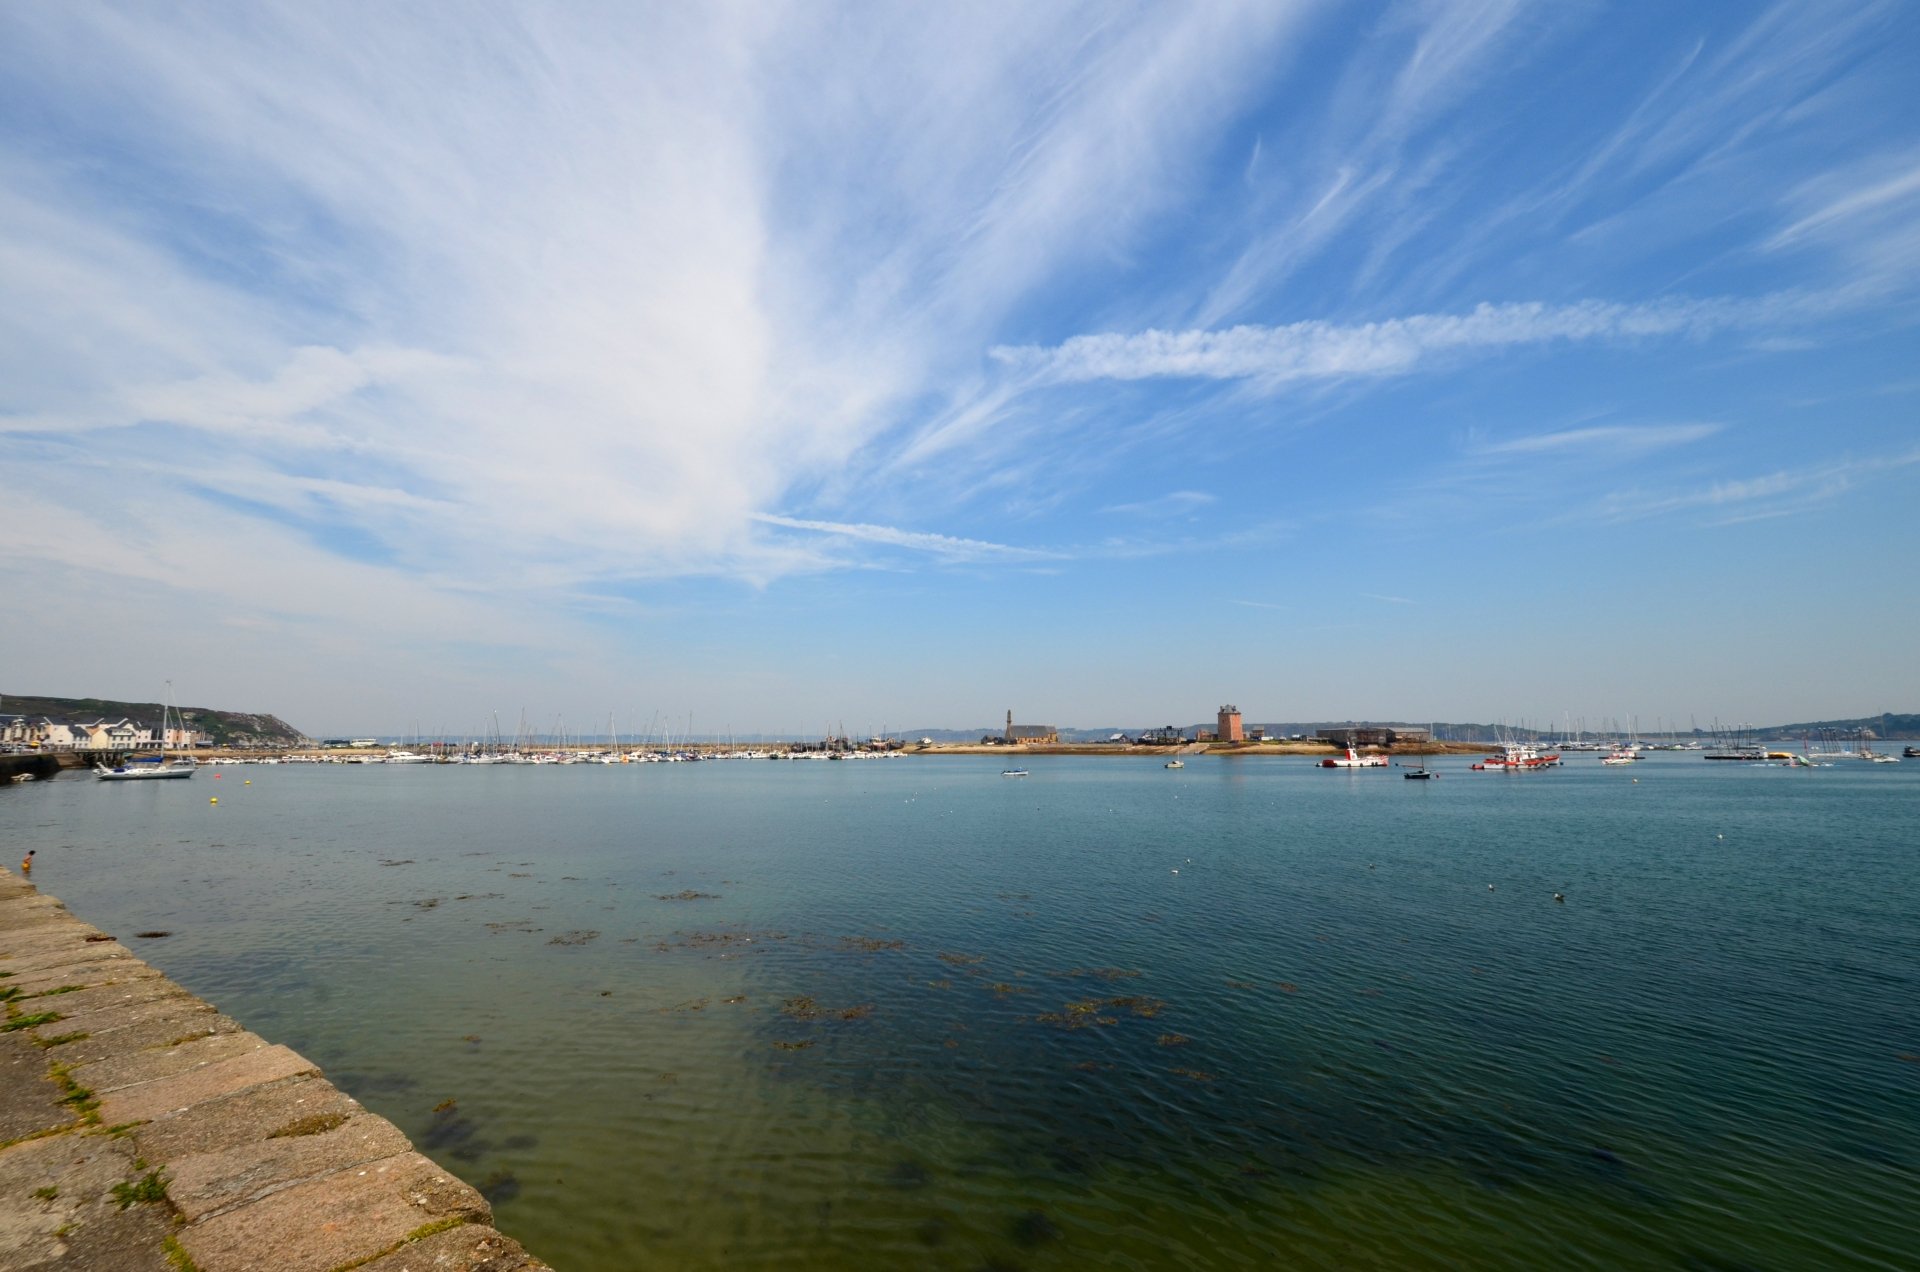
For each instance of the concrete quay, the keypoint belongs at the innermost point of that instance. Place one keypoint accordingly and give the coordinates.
(142, 1130)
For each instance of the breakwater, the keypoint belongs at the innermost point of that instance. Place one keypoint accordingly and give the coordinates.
(141, 1129)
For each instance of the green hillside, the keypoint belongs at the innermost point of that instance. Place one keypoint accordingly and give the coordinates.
(226, 728)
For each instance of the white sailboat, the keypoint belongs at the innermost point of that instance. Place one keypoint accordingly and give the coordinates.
(155, 769)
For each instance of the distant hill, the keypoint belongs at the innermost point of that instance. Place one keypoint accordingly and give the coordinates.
(1887, 724)
(226, 728)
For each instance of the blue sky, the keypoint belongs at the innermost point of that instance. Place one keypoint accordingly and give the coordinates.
(789, 365)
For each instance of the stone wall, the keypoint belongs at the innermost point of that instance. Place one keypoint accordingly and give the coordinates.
(141, 1129)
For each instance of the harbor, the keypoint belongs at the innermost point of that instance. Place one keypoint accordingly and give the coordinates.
(727, 1015)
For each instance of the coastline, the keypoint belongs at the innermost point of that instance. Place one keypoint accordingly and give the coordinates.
(141, 1129)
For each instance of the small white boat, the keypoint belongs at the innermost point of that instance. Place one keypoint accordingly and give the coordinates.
(143, 772)
(1176, 764)
(1013, 772)
(1355, 760)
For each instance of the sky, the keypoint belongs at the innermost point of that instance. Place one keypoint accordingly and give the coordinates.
(781, 368)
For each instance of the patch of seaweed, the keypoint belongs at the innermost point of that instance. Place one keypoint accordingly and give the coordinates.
(963, 960)
(1032, 1228)
(870, 944)
(687, 894)
(691, 1004)
(1173, 1040)
(1099, 973)
(580, 937)
(908, 1174)
(1088, 1013)
(499, 1186)
(1196, 1075)
(802, 1045)
(152, 936)
(404, 861)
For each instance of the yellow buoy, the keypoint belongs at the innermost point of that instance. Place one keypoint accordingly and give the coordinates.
(214, 800)
(248, 782)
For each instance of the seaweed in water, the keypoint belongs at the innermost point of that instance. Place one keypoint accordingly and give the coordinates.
(691, 1004)
(574, 938)
(499, 1186)
(1032, 1228)
(1099, 973)
(687, 895)
(908, 1174)
(454, 1133)
(1174, 1040)
(870, 944)
(152, 936)
(795, 1046)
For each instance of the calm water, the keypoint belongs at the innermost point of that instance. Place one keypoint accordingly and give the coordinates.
(913, 1014)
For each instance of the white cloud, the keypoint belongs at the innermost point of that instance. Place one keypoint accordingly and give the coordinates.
(1780, 493)
(940, 545)
(1316, 350)
(1613, 440)
(1173, 504)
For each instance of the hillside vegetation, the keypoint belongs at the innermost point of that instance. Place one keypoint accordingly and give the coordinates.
(226, 728)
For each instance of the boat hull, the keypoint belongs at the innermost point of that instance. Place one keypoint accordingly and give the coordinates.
(155, 773)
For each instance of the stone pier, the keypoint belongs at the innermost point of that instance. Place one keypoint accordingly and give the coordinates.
(142, 1130)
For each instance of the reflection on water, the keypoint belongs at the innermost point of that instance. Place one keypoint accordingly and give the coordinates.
(875, 1015)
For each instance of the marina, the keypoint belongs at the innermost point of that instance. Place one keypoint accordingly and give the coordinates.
(729, 1015)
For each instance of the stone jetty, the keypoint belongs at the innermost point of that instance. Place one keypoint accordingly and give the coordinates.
(141, 1129)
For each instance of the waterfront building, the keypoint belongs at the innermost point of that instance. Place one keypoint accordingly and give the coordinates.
(1230, 729)
(1041, 734)
(1374, 735)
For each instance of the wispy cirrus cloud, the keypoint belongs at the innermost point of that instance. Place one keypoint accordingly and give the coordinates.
(944, 546)
(1318, 350)
(1611, 440)
(1173, 504)
(1784, 492)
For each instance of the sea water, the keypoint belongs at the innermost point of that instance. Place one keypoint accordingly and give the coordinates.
(912, 1013)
